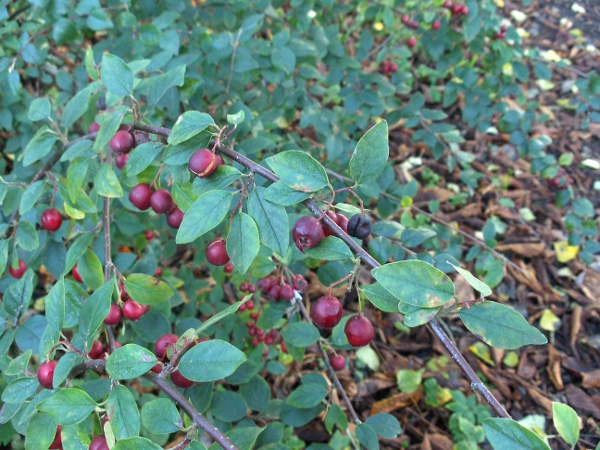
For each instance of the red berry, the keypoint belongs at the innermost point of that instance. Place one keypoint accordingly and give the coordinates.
(359, 331)
(93, 128)
(254, 316)
(133, 311)
(19, 271)
(250, 304)
(181, 381)
(46, 373)
(503, 28)
(412, 42)
(326, 230)
(269, 340)
(274, 334)
(121, 160)
(174, 218)
(121, 142)
(242, 307)
(251, 288)
(161, 201)
(447, 4)
(216, 252)
(274, 292)
(160, 347)
(140, 196)
(255, 342)
(251, 324)
(413, 24)
(244, 287)
(259, 332)
(299, 282)
(465, 10)
(457, 9)
(57, 442)
(114, 315)
(99, 443)
(124, 127)
(157, 368)
(393, 69)
(327, 312)
(307, 232)
(436, 25)
(405, 18)
(96, 350)
(338, 362)
(265, 284)
(203, 163)
(149, 235)
(286, 292)
(158, 272)
(107, 348)
(51, 219)
(220, 160)
(252, 331)
(76, 274)
(228, 268)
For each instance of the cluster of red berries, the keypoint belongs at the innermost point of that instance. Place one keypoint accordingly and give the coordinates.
(456, 9)
(143, 197)
(501, 33)
(388, 67)
(327, 312)
(277, 288)
(410, 23)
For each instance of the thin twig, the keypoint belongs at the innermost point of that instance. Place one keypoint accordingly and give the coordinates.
(107, 255)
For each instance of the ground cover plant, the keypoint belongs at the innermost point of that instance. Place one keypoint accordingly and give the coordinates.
(251, 225)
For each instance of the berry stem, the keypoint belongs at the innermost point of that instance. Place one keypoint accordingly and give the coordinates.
(349, 189)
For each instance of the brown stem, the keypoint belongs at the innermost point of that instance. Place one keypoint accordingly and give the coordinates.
(107, 256)
(476, 384)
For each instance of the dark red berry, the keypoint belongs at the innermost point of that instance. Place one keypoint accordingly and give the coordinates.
(161, 201)
(99, 443)
(269, 340)
(228, 268)
(393, 69)
(274, 292)
(436, 25)
(76, 274)
(107, 348)
(19, 271)
(57, 442)
(121, 160)
(250, 304)
(251, 324)
(307, 232)
(244, 287)
(283, 347)
(255, 342)
(359, 226)
(96, 350)
(413, 24)
(286, 292)
(157, 368)
(93, 128)
(465, 10)
(181, 381)
(412, 42)
(174, 218)
(338, 362)
(264, 284)
(251, 288)
(274, 334)
(51, 219)
(140, 137)
(114, 315)
(327, 312)
(133, 311)
(242, 307)
(254, 315)
(203, 163)
(158, 272)
(359, 331)
(252, 331)
(299, 282)
(140, 196)
(333, 216)
(405, 18)
(216, 252)
(457, 9)
(121, 142)
(46, 373)
(160, 346)
(149, 235)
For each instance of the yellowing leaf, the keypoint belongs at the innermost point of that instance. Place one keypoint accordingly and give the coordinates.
(482, 351)
(499, 3)
(565, 252)
(378, 26)
(74, 213)
(549, 321)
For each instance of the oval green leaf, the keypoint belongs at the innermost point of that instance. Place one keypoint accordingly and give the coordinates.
(210, 361)
(371, 154)
(298, 170)
(506, 433)
(205, 214)
(242, 242)
(68, 406)
(146, 289)
(130, 361)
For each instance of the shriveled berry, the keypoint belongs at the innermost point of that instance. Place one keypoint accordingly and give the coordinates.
(140, 137)
(121, 142)
(76, 274)
(216, 252)
(114, 315)
(46, 373)
(359, 226)
(19, 271)
(121, 160)
(359, 331)
(162, 343)
(286, 292)
(264, 284)
(307, 232)
(140, 196)
(161, 201)
(181, 381)
(51, 219)
(327, 312)
(174, 218)
(299, 282)
(338, 362)
(203, 163)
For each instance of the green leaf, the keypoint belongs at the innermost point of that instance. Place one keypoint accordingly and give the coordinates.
(27, 237)
(39, 109)
(68, 406)
(371, 154)
(475, 283)
(40, 145)
(409, 380)
(64, 366)
(500, 326)
(381, 298)
(188, 125)
(330, 249)
(237, 118)
(412, 237)
(367, 436)
(106, 182)
(335, 416)
(90, 269)
(183, 195)
(256, 393)
(243, 438)
(20, 389)
(77, 249)
(136, 443)
(205, 214)
(141, 157)
(220, 315)
(210, 361)
(281, 194)
(129, 361)
(64, 31)
(222, 177)
(161, 416)
(77, 106)
(307, 396)
(94, 311)
(146, 289)
(416, 283)
(385, 425)
(158, 86)
(98, 20)
(272, 221)
(116, 75)
(415, 316)
(300, 334)
(31, 196)
(109, 124)
(506, 433)
(40, 432)
(76, 174)
(242, 242)
(123, 413)
(298, 170)
(55, 305)
(18, 295)
(566, 422)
